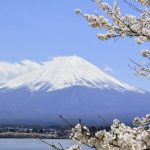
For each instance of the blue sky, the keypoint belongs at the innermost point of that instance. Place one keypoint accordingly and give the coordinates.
(41, 29)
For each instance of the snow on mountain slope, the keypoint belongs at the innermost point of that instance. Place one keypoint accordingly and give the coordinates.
(59, 73)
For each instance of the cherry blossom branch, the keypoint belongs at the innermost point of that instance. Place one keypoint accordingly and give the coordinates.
(137, 27)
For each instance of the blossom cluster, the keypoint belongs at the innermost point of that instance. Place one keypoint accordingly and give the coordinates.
(74, 147)
(145, 53)
(144, 2)
(143, 69)
(120, 136)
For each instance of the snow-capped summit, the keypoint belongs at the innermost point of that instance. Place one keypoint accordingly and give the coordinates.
(59, 73)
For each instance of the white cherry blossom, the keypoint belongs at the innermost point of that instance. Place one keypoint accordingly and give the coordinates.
(120, 136)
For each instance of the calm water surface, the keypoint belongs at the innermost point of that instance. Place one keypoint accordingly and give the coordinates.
(32, 144)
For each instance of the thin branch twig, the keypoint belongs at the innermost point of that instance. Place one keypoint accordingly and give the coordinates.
(52, 145)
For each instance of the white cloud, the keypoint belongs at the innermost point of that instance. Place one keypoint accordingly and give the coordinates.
(108, 69)
(10, 70)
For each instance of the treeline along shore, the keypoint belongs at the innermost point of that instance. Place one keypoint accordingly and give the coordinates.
(35, 132)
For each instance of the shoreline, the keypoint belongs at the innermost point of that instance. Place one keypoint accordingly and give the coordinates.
(31, 135)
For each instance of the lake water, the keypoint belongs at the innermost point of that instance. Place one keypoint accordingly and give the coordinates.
(33, 144)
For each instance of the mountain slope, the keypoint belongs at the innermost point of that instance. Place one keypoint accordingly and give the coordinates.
(33, 93)
(60, 73)
(22, 106)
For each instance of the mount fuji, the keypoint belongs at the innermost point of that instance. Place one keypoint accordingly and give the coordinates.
(37, 93)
